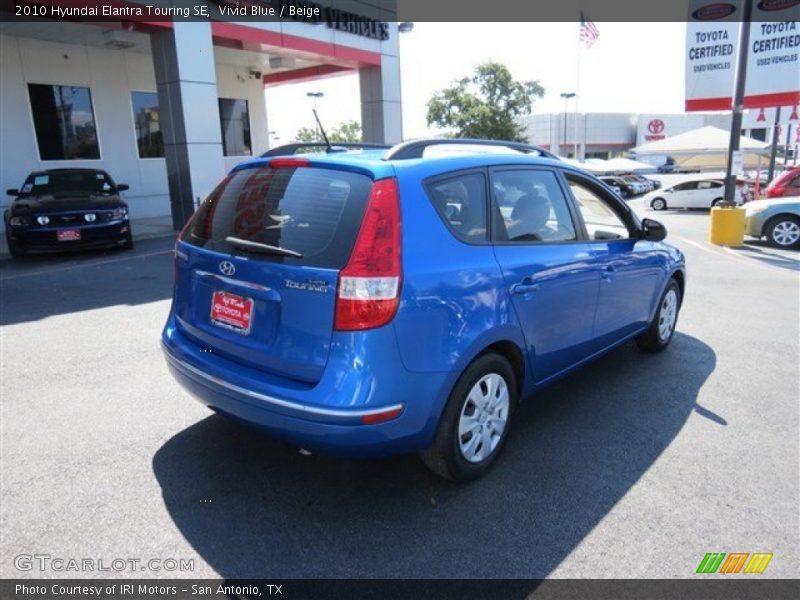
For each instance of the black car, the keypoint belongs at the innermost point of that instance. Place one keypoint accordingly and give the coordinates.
(61, 209)
(625, 188)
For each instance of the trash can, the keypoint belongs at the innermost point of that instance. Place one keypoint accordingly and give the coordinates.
(727, 226)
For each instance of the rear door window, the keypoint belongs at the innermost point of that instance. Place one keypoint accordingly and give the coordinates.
(461, 203)
(315, 212)
(530, 207)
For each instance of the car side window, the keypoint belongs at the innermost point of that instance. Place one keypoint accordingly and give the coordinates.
(602, 222)
(528, 206)
(461, 203)
(704, 185)
(687, 185)
(795, 183)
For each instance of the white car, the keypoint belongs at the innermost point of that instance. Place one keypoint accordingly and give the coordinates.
(699, 193)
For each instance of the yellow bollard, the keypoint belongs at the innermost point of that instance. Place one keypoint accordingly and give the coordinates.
(726, 226)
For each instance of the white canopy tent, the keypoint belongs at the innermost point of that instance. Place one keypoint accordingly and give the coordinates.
(703, 148)
(612, 165)
(626, 165)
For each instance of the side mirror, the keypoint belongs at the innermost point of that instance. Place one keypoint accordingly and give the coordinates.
(653, 231)
(121, 187)
(12, 192)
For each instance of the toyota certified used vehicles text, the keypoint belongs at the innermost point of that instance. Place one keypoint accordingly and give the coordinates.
(374, 302)
(62, 209)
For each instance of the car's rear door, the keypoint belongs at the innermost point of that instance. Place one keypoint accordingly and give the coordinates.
(546, 267)
(269, 310)
(704, 195)
(681, 196)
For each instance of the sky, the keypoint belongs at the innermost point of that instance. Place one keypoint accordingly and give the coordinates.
(632, 67)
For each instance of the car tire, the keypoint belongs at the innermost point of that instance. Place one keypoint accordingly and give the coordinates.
(659, 334)
(658, 204)
(467, 439)
(783, 231)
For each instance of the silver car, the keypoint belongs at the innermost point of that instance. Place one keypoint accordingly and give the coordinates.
(778, 220)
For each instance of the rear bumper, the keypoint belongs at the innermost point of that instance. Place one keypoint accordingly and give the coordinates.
(92, 236)
(326, 417)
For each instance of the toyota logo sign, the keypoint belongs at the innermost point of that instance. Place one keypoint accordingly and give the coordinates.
(655, 126)
(226, 267)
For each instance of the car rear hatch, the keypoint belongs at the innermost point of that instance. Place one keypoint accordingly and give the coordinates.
(257, 267)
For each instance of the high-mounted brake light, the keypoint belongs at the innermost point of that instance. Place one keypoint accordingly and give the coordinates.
(277, 163)
(369, 285)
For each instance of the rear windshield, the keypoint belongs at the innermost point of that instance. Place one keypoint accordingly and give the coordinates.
(66, 183)
(307, 210)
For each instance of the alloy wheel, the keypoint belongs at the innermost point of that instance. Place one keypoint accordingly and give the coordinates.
(484, 417)
(668, 314)
(786, 233)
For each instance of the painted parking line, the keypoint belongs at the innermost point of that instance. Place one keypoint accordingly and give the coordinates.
(727, 252)
(47, 271)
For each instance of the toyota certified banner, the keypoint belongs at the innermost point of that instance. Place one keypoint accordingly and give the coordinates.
(773, 64)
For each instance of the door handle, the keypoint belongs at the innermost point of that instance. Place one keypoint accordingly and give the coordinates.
(608, 272)
(525, 287)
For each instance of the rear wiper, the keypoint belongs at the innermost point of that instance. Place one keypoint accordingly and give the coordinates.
(259, 247)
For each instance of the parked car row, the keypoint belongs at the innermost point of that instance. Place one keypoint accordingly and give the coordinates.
(630, 186)
(61, 209)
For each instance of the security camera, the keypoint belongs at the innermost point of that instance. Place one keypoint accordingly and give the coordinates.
(255, 74)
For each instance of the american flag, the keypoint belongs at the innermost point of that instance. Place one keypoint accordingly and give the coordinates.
(588, 32)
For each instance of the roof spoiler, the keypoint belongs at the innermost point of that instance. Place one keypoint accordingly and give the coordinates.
(343, 147)
(416, 148)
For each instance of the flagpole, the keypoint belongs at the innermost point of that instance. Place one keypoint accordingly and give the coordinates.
(577, 95)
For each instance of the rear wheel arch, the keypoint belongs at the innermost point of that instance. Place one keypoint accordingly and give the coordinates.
(512, 353)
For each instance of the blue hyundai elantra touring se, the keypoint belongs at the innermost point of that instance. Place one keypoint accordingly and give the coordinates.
(373, 301)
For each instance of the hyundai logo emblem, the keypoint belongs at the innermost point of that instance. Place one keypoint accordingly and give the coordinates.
(226, 268)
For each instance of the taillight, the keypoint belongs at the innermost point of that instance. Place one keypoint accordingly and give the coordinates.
(369, 285)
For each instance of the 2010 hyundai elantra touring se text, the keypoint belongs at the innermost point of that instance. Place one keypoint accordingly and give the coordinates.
(379, 301)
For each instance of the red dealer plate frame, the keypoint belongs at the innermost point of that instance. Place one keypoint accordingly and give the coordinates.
(69, 235)
(232, 312)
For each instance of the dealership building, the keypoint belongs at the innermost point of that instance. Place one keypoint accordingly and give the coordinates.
(609, 135)
(168, 107)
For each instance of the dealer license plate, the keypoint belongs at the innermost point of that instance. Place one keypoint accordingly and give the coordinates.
(69, 235)
(232, 312)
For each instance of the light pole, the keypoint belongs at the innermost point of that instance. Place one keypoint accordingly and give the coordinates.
(738, 103)
(566, 96)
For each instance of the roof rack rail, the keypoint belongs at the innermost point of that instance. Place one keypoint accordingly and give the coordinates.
(294, 147)
(415, 148)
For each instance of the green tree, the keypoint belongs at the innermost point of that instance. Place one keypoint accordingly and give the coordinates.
(306, 134)
(486, 105)
(349, 131)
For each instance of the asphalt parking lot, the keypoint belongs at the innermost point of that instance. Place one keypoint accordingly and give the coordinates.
(633, 467)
